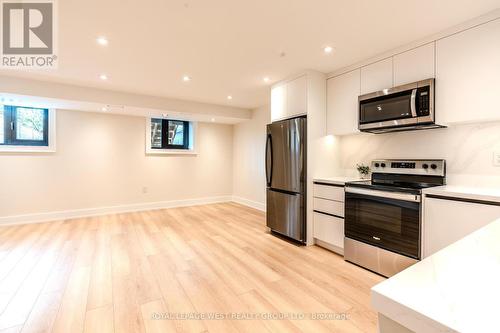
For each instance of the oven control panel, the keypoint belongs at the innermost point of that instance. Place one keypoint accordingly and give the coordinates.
(411, 167)
(403, 165)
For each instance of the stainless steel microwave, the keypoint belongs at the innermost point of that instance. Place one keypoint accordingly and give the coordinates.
(403, 108)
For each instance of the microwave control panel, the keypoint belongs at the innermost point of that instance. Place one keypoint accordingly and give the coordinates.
(422, 101)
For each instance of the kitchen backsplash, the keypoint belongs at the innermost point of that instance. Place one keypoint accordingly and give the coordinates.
(467, 149)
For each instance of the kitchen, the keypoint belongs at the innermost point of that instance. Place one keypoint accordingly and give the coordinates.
(232, 166)
(432, 181)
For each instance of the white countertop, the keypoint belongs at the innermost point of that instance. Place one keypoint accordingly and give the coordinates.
(454, 290)
(467, 192)
(338, 180)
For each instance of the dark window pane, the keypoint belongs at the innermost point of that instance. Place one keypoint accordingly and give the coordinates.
(156, 125)
(30, 124)
(175, 132)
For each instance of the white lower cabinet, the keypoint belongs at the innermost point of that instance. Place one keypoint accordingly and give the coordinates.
(329, 192)
(447, 221)
(329, 206)
(329, 229)
(328, 217)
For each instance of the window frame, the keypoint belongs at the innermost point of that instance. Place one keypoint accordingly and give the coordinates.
(10, 129)
(6, 148)
(190, 136)
(164, 134)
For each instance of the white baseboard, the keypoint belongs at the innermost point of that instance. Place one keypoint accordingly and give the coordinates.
(254, 204)
(79, 213)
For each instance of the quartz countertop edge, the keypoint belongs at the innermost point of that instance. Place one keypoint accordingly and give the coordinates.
(338, 180)
(453, 290)
(406, 316)
(466, 192)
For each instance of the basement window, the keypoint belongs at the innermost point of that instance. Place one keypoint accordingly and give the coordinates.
(170, 136)
(25, 128)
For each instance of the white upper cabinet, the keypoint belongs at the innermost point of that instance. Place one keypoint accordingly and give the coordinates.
(296, 97)
(278, 102)
(468, 75)
(376, 76)
(465, 64)
(342, 103)
(414, 65)
(289, 99)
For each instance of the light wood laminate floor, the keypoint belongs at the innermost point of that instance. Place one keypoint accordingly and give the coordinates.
(120, 273)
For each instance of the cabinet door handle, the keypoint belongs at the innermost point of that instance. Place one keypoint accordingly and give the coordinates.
(376, 238)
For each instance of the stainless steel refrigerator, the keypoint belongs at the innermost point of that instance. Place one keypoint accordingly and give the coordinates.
(286, 178)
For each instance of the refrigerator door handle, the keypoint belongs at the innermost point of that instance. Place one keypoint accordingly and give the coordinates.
(269, 156)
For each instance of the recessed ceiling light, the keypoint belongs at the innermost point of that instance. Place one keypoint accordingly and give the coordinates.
(212, 120)
(103, 77)
(328, 49)
(102, 41)
(186, 78)
(229, 97)
(266, 79)
(104, 108)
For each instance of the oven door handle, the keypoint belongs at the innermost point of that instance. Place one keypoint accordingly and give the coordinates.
(384, 194)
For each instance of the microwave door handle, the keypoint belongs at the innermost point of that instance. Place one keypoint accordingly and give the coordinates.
(413, 106)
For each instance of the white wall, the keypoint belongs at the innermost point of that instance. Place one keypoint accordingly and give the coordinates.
(249, 141)
(467, 149)
(101, 162)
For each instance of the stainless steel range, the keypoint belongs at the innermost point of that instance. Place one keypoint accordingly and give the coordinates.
(383, 216)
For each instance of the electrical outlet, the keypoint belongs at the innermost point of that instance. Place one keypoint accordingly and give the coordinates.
(496, 158)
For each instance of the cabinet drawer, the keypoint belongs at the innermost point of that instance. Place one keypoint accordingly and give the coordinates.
(329, 229)
(329, 206)
(329, 192)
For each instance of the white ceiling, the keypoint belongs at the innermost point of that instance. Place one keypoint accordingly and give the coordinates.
(228, 46)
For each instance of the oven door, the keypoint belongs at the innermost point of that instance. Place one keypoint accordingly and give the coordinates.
(389, 220)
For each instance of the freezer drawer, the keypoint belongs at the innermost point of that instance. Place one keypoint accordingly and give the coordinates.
(286, 214)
